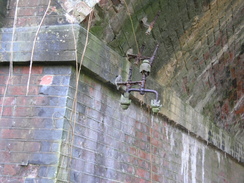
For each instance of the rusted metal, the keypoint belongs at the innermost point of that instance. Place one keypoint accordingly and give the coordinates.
(151, 25)
(154, 54)
(142, 84)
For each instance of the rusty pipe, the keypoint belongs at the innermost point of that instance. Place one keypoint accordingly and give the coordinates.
(153, 55)
(143, 90)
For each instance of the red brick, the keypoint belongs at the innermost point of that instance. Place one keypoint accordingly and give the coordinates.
(21, 79)
(144, 155)
(142, 173)
(7, 101)
(14, 134)
(156, 142)
(143, 163)
(15, 146)
(23, 112)
(156, 178)
(5, 156)
(16, 90)
(133, 150)
(142, 136)
(21, 90)
(32, 146)
(3, 145)
(16, 179)
(7, 111)
(156, 134)
(41, 10)
(22, 122)
(2, 90)
(31, 101)
(18, 157)
(21, 21)
(5, 122)
(46, 80)
(27, 3)
(23, 101)
(9, 170)
(35, 70)
(41, 101)
(27, 11)
(4, 70)
(25, 70)
(33, 21)
(3, 79)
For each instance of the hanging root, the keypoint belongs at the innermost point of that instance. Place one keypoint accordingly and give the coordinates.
(33, 47)
(72, 118)
(132, 25)
(11, 68)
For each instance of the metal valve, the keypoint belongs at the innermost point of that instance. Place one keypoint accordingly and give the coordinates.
(155, 105)
(145, 67)
(125, 101)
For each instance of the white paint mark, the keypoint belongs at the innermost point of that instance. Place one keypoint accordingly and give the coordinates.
(172, 140)
(203, 160)
(185, 158)
(189, 154)
(218, 156)
(194, 162)
(167, 131)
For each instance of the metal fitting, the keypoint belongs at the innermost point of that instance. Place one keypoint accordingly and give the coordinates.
(155, 105)
(125, 101)
(145, 67)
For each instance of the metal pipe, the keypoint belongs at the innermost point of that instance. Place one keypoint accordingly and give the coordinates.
(154, 54)
(143, 90)
(143, 84)
(130, 83)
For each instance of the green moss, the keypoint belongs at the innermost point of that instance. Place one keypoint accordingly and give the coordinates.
(97, 30)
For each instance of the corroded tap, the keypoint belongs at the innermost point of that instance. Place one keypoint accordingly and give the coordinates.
(145, 69)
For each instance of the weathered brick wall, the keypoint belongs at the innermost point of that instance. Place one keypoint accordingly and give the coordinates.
(31, 126)
(108, 144)
(40, 143)
(111, 145)
(30, 13)
(200, 54)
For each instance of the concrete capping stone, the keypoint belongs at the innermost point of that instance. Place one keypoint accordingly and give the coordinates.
(53, 43)
(56, 44)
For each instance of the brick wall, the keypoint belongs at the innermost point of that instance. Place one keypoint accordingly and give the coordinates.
(31, 126)
(112, 145)
(108, 145)
(200, 54)
(42, 140)
(30, 13)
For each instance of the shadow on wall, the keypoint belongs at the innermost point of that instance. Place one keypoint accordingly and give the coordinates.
(3, 8)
